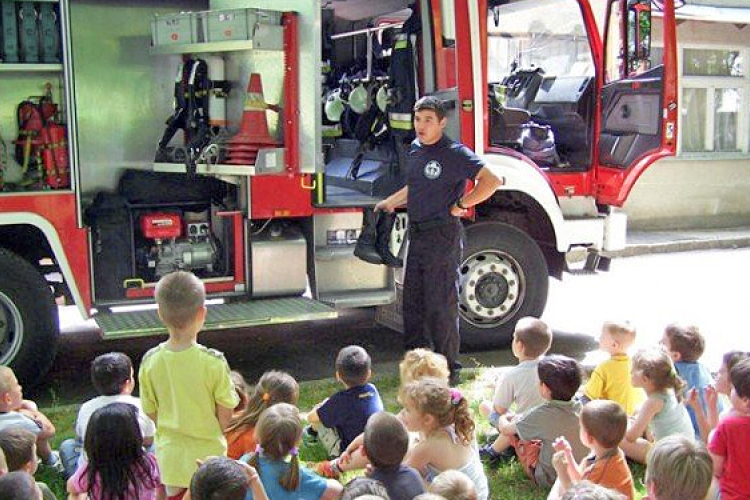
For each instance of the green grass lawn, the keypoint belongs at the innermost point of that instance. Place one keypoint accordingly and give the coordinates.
(507, 481)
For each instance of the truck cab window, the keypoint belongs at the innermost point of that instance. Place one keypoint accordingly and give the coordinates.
(540, 81)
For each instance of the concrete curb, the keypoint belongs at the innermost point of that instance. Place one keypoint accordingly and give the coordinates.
(644, 243)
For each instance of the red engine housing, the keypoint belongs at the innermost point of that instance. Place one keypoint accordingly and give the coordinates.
(161, 225)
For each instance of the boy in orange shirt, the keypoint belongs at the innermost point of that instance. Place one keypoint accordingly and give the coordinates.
(603, 425)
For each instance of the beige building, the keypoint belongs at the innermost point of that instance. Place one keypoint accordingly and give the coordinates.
(708, 183)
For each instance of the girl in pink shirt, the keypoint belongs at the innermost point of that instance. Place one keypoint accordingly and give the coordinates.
(118, 468)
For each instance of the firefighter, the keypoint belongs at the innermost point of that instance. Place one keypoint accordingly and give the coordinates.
(437, 170)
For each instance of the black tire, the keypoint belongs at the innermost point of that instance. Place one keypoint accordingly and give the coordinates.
(503, 278)
(29, 323)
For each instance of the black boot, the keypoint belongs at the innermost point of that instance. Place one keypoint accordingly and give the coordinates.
(383, 245)
(366, 248)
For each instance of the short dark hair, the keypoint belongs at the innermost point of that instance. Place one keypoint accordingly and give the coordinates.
(18, 445)
(431, 103)
(361, 486)
(606, 421)
(561, 374)
(740, 376)
(109, 372)
(353, 365)
(535, 336)
(386, 440)
(219, 478)
(686, 340)
(18, 484)
(731, 358)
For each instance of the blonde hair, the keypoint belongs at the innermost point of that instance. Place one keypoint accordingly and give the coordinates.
(679, 468)
(180, 295)
(278, 431)
(432, 396)
(620, 330)
(454, 485)
(420, 363)
(657, 367)
(5, 374)
(272, 388)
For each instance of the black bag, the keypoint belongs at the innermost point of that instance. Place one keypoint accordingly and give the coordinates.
(143, 187)
(112, 245)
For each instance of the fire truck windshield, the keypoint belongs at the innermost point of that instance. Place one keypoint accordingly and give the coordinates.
(529, 34)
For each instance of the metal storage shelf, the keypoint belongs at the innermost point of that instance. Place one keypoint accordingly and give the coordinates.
(198, 48)
(204, 169)
(31, 67)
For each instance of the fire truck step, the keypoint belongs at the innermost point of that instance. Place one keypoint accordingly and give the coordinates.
(220, 316)
(364, 298)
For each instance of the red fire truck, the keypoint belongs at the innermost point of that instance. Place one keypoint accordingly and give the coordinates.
(285, 120)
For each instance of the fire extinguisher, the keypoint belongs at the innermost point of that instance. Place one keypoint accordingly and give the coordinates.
(55, 156)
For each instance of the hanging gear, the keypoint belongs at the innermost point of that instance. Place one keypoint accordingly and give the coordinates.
(192, 86)
(374, 242)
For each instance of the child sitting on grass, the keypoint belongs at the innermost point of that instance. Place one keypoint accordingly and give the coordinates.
(113, 378)
(221, 478)
(603, 425)
(685, 345)
(386, 442)
(453, 485)
(117, 466)
(443, 417)
(534, 433)
(19, 450)
(278, 432)
(662, 413)
(273, 387)
(729, 442)
(708, 420)
(342, 417)
(678, 468)
(611, 378)
(16, 411)
(417, 364)
(518, 385)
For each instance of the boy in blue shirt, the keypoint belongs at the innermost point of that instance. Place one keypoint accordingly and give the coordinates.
(343, 416)
(685, 346)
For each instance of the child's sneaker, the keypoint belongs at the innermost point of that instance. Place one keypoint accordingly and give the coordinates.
(328, 468)
(55, 463)
(494, 458)
(309, 435)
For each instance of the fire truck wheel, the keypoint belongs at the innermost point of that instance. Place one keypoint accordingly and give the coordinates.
(503, 277)
(28, 319)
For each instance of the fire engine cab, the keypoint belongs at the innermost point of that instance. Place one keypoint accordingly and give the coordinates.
(243, 139)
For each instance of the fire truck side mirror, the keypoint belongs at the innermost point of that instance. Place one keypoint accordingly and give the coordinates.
(638, 35)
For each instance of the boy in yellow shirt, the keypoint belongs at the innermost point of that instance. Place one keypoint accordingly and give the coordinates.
(611, 379)
(185, 387)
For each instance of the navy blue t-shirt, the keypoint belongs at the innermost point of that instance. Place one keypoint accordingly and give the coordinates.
(436, 175)
(402, 482)
(347, 411)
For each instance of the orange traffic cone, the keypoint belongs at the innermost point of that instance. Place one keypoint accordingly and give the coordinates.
(253, 135)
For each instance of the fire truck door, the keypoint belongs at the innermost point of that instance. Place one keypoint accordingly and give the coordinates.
(638, 100)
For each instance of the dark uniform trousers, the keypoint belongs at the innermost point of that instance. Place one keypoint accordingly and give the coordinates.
(430, 304)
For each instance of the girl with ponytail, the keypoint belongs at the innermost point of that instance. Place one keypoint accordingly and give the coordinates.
(278, 432)
(663, 413)
(273, 387)
(443, 417)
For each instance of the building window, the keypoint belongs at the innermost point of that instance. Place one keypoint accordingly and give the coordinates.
(714, 98)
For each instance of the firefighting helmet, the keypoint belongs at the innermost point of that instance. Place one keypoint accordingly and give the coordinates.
(359, 99)
(334, 106)
(381, 97)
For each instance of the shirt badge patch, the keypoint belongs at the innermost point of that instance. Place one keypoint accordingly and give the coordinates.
(432, 170)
